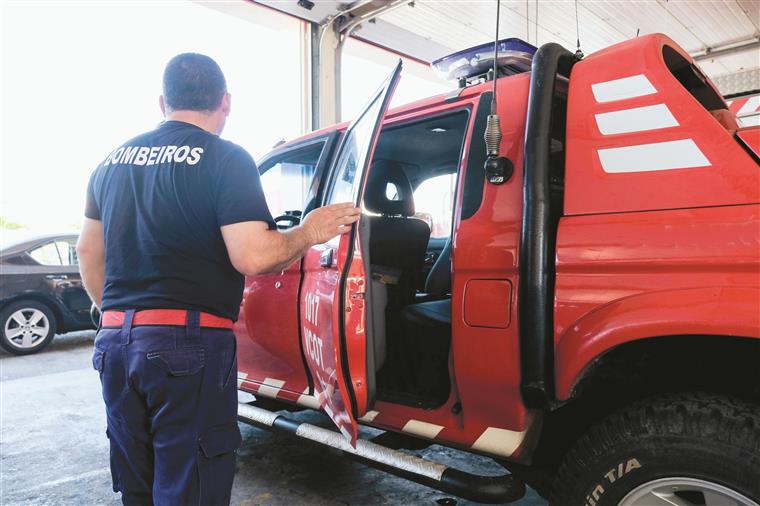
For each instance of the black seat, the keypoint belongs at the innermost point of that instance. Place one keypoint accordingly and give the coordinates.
(427, 328)
(435, 314)
(397, 241)
(437, 302)
(397, 246)
(427, 332)
(438, 282)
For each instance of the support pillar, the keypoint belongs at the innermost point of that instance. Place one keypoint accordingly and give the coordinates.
(327, 40)
(325, 63)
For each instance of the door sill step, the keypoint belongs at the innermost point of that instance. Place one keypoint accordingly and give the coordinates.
(485, 489)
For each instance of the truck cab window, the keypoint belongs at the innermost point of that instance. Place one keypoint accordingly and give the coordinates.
(353, 155)
(287, 179)
(434, 200)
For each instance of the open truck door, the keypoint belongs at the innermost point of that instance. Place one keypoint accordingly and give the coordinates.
(333, 308)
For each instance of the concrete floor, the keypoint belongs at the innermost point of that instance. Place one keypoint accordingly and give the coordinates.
(53, 448)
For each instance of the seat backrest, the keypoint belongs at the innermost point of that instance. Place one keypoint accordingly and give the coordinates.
(397, 245)
(397, 250)
(397, 241)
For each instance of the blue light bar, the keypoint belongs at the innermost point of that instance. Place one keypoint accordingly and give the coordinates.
(514, 57)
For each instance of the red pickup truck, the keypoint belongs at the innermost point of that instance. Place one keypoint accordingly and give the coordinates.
(586, 311)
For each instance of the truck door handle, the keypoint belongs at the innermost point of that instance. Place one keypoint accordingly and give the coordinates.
(57, 276)
(326, 258)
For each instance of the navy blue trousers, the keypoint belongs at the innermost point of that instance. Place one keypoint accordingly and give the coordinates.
(171, 404)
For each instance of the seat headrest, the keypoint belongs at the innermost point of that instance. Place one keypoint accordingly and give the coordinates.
(376, 200)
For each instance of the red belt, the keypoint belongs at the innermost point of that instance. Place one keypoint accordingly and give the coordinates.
(176, 317)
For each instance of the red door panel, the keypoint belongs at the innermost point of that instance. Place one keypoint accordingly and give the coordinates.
(269, 351)
(320, 331)
(332, 295)
(270, 362)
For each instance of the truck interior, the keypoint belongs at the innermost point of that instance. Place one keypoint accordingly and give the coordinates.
(410, 269)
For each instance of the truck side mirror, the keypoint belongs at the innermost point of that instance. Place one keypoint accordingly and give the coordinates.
(499, 169)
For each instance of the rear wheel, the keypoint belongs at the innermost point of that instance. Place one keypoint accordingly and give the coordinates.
(686, 491)
(674, 450)
(27, 326)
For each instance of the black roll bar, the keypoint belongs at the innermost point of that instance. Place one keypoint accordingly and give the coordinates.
(539, 234)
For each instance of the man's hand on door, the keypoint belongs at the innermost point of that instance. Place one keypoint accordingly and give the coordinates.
(326, 222)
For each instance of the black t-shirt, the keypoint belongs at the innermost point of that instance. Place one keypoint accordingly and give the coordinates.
(162, 197)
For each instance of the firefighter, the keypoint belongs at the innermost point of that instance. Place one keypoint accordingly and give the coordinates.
(173, 220)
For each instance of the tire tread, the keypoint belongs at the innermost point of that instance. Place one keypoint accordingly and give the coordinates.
(731, 422)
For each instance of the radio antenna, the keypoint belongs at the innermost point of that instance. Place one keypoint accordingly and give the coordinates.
(578, 52)
(498, 169)
(495, 58)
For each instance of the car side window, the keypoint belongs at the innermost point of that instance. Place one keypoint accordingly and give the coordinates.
(287, 180)
(68, 252)
(47, 254)
(56, 253)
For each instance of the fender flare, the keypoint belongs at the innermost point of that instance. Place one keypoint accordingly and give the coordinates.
(703, 311)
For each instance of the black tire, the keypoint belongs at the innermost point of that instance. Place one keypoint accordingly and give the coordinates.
(694, 436)
(8, 324)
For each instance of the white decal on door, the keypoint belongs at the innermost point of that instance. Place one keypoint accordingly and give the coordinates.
(313, 346)
(313, 342)
(312, 308)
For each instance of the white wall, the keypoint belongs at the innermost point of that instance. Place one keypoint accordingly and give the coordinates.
(79, 78)
(365, 66)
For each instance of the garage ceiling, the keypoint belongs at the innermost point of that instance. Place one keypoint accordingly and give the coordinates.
(724, 35)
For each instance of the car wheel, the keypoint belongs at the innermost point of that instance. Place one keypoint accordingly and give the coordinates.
(684, 450)
(27, 326)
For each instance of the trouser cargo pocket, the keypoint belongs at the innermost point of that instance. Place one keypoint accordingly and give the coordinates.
(114, 464)
(216, 462)
(98, 359)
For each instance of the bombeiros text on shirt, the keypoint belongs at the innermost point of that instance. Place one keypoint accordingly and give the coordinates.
(146, 156)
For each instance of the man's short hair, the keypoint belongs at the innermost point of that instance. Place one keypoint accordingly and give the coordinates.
(193, 82)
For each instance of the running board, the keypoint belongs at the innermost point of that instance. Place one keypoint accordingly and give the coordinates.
(484, 489)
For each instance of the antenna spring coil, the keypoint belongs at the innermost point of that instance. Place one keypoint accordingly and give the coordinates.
(493, 135)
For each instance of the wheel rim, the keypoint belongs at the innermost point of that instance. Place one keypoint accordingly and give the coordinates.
(26, 328)
(684, 492)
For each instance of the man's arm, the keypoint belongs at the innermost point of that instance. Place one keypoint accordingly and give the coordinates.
(254, 249)
(91, 251)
